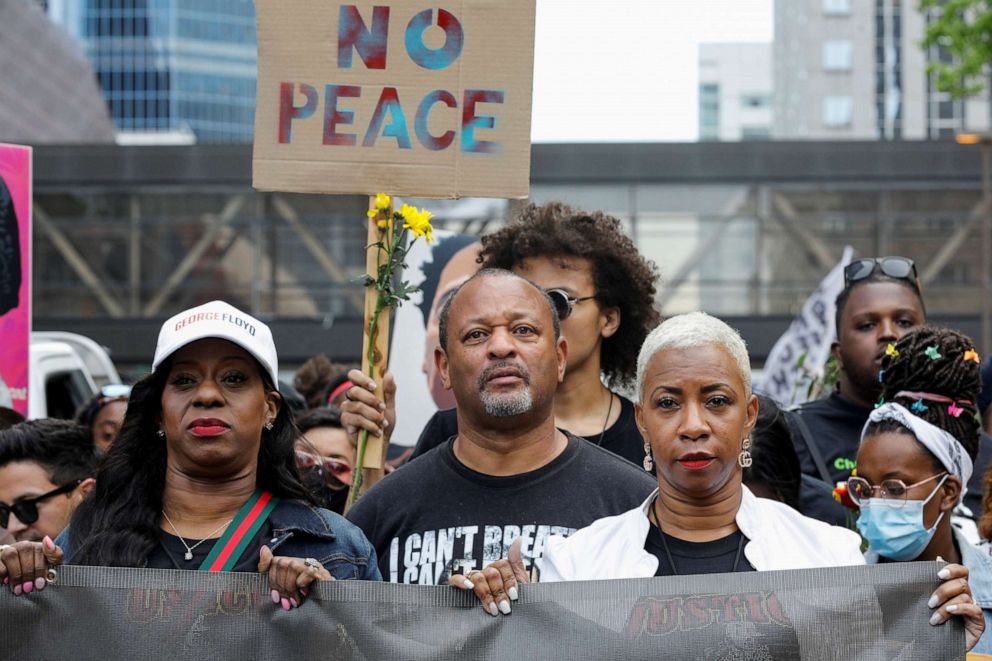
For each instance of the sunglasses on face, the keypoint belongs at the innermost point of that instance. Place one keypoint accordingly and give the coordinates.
(332, 468)
(860, 489)
(563, 302)
(900, 268)
(26, 510)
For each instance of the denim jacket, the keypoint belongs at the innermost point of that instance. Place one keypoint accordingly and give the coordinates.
(300, 530)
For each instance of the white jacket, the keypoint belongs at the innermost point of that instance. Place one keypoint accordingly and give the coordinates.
(779, 538)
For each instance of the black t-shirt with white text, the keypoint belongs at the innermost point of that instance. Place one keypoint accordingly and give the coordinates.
(436, 517)
(622, 438)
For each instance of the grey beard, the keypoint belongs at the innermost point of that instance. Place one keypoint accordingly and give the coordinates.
(506, 405)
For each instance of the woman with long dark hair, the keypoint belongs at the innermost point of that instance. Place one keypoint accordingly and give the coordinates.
(203, 475)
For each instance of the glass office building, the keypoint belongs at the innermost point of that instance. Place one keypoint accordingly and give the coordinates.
(175, 67)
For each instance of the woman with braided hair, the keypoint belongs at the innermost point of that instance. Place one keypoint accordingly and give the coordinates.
(916, 456)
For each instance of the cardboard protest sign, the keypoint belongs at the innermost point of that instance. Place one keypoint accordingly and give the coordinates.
(400, 96)
(15, 275)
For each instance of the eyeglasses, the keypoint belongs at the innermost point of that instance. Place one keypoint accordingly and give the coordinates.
(26, 510)
(900, 268)
(861, 489)
(563, 302)
(331, 468)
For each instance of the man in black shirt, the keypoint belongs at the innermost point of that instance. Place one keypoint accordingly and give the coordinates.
(509, 473)
(605, 291)
(880, 302)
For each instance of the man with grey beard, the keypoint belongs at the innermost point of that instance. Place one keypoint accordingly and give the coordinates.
(508, 473)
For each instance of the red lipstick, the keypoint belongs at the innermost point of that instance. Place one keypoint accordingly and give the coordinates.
(695, 461)
(208, 427)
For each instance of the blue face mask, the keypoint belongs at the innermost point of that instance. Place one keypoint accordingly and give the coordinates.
(894, 528)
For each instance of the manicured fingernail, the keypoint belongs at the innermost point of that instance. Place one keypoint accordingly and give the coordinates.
(382, 406)
(49, 544)
(939, 559)
(943, 573)
(305, 593)
(275, 596)
(469, 585)
(28, 586)
(504, 607)
(933, 601)
(493, 610)
(372, 385)
(285, 604)
(385, 423)
(953, 608)
(39, 584)
(294, 602)
(512, 592)
(935, 618)
(6, 580)
(17, 589)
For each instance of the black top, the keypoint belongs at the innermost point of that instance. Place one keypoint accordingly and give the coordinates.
(436, 516)
(170, 552)
(835, 425)
(717, 557)
(622, 438)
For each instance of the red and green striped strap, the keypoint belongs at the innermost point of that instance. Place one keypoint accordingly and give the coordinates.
(247, 522)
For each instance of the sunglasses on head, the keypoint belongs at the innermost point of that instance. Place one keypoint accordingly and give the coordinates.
(338, 470)
(26, 510)
(900, 268)
(563, 302)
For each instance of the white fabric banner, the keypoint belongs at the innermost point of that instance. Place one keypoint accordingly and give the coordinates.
(811, 333)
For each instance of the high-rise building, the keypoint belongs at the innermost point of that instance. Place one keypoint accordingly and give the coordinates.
(735, 91)
(854, 69)
(170, 67)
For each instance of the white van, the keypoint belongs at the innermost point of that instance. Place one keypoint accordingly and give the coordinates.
(94, 356)
(59, 380)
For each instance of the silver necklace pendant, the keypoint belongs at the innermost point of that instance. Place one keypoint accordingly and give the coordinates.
(189, 555)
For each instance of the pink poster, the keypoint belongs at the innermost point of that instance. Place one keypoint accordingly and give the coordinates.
(15, 275)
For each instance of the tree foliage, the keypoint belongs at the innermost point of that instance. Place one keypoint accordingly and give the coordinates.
(963, 28)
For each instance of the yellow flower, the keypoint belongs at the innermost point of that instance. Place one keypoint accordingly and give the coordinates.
(418, 222)
(385, 223)
(382, 202)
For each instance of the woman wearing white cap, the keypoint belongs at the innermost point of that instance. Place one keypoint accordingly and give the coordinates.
(203, 475)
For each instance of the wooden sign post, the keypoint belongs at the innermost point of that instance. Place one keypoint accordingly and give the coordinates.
(374, 362)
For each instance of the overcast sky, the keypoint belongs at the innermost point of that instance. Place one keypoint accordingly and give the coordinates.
(627, 70)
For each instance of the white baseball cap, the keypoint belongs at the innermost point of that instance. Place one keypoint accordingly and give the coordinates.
(223, 320)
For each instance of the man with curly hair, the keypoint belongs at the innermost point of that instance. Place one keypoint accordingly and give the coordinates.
(605, 290)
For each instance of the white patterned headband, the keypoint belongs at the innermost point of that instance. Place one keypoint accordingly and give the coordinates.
(943, 445)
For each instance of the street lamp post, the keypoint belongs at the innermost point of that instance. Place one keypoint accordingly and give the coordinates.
(984, 141)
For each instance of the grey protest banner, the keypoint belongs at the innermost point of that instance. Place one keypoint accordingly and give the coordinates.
(877, 612)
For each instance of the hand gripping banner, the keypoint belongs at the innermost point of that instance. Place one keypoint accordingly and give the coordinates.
(846, 613)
